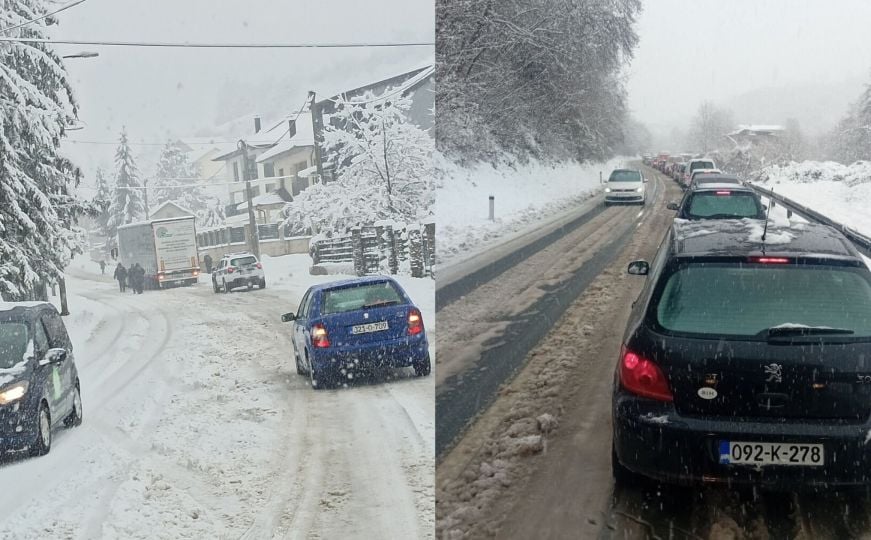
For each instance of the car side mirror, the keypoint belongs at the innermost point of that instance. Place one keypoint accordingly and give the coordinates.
(287, 317)
(54, 356)
(765, 207)
(645, 180)
(638, 268)
(673, 206)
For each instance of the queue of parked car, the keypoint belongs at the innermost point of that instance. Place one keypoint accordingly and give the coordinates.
(744, 360)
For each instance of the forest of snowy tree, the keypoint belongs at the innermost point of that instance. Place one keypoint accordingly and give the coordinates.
(533, 78)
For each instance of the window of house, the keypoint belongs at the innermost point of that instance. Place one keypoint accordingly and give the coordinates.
(255, 191)
(270, 188)
(268, 170)
(235, 171)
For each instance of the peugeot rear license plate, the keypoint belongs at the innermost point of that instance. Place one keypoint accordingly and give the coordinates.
(370, 327)
(763, 453)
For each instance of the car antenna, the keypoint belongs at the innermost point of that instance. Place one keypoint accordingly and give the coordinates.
(765, 228)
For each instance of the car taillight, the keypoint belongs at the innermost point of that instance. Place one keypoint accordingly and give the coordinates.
(319, 336)
(642, 377)
(231, 269)
(415, 322)
(259, 266)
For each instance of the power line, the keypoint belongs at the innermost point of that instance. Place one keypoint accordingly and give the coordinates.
(168, 44)
(31, 21)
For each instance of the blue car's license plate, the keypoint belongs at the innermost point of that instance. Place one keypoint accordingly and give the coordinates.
(764, 453)
(369, 327)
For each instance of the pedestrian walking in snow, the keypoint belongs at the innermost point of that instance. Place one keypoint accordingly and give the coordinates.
(121, 276)
(102, 268)
(137, 276)
(207, 260)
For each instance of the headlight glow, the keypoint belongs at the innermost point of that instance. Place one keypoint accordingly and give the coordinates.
(607, 190)
(639, 190)
(13, 393)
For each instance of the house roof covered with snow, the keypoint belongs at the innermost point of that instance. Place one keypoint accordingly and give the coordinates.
(304, 137)
(757, 129)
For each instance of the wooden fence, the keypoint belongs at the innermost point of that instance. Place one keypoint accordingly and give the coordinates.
(381, 248)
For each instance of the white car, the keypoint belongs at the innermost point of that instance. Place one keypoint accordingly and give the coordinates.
(694, 165)
(625, 186)
(238, 270)
(701, 171)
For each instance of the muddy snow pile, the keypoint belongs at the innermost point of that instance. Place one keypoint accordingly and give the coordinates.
(840, 192)
(524, 195)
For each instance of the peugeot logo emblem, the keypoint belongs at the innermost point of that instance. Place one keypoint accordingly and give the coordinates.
(774, 372)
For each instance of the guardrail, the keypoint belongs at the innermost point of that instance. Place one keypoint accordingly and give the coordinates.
(862, 242)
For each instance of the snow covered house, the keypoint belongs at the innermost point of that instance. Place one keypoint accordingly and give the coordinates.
(290, 161)
(168, 210)
(755, 133)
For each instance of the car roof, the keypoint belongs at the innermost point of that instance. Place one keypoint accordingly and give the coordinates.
(353, 281)
(625, 170)
(711, 176)
(714, 186)
(26, 310)
(238, 254)
(742, 237)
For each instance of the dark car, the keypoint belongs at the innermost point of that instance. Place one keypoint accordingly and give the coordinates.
(357, 325)
(747, 362)
(719, 201)
(39, 382)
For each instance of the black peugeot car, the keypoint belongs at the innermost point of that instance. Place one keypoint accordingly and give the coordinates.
(747, 361)
(719, 200)
(39, 382)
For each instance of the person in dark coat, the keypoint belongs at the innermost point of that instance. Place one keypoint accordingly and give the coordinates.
(102, 267)
(138, 274)
(121, 276)
(207, 260)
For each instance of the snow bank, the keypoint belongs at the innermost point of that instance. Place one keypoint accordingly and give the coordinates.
(840, 192)
(524, 195)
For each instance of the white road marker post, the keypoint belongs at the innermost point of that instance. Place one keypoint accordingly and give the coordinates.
(492, 208)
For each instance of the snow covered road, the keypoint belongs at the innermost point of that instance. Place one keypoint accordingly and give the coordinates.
(197, 426)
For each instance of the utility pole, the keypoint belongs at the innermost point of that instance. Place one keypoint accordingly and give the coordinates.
(318, 128)
(252, 222)
(62, 285)
(145, 185)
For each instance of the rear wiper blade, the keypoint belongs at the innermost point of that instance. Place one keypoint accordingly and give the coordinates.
(786, 331)
(379, 304)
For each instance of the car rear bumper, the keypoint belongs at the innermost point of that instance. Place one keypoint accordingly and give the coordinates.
(396, 353)
(240, 280)
(651, 439)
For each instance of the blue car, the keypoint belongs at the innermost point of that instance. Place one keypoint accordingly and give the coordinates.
(357, 325)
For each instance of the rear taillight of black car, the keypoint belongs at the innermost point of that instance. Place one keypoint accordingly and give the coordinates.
(643, 377)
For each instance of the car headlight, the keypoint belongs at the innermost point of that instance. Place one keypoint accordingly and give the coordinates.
(14, 392)
(639, 190)
(607, 190)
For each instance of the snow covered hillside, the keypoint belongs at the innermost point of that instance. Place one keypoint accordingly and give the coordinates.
(840, 192)
(525, 194)
(196, 425)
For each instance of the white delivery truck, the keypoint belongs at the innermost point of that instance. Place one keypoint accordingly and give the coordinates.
(165, 248)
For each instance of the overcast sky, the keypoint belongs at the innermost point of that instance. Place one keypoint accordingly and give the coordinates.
(800, 57)
(160, 93)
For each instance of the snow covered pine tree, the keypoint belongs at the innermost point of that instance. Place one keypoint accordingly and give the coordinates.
(127, 202)
(37, 204)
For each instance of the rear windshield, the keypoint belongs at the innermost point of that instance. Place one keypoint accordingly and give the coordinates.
(747, 299)
(701, 165)
(625, 176)
(722, 204)
(13, 343)
(242, 261)
(365, 296)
